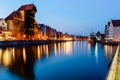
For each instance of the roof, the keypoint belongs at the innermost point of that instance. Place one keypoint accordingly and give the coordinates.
(108, 23)
(15, 15)
(116, 23)
(27, 7)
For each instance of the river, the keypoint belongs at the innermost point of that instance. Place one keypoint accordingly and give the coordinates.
(76, 60)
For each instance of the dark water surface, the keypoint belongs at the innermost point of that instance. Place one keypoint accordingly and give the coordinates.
(62, 61)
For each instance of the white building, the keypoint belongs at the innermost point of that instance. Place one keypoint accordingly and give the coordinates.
(107, 31)
(3, 24)
(113, 31)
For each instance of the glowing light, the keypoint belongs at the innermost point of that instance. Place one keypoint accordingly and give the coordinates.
(59, 48)
(96, 52)
(47, 52)
(24, 55)
(55, 49)
(108, 51)
(13, 53)
(68, 48)
(89, 47)
(6, 58)
(39, 52)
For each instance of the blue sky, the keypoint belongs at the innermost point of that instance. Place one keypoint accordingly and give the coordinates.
(72, 16)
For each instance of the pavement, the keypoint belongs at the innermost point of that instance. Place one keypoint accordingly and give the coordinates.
(117, 74)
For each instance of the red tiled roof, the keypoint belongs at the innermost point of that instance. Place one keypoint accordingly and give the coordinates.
(27, 7)
(116, 23)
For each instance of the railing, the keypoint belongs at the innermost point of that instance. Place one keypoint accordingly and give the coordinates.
(112, 70)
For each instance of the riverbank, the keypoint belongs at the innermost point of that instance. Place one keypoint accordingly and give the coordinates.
(28, 42)
(108, 42)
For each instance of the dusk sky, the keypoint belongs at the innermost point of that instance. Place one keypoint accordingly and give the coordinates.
(72, 16)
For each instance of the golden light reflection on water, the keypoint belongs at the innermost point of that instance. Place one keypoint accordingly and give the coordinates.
(6, 57)
(11, 55)
(89, 48)
(55, 49)
(46, 51)
(13, 52)
(39, 53)
(58, 48)
(68, 48)
(108, 51)
(24, 55)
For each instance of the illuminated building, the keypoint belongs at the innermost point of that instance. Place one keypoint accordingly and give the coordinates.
(47, 32)
(59, 35)
(112, 31)
(21, 23)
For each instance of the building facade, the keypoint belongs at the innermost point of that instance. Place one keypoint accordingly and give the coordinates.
(112, 31)
(3, 24)
(21, 23)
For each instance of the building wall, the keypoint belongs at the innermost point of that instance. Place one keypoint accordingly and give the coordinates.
(3, 24)
(111, 31)
(16, 28)
(36, 32)
(22, 12)
(116, 33)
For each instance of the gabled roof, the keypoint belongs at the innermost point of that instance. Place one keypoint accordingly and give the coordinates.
(15, 15)
(116, 23)
(108, 23)
(27, 7)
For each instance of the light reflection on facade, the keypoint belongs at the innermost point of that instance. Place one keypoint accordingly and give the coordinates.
(24, 55)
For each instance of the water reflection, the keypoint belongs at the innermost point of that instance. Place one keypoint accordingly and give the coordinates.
(109, 50)
(20, 60)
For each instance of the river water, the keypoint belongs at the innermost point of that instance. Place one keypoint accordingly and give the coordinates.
(76, 60)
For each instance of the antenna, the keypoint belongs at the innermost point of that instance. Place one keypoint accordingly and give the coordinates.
(33, 1)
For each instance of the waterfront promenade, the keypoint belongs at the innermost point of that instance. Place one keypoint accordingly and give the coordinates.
(117, 74)
(28, 42)
(114, 71)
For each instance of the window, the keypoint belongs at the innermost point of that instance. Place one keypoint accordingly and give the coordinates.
(2, 23)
